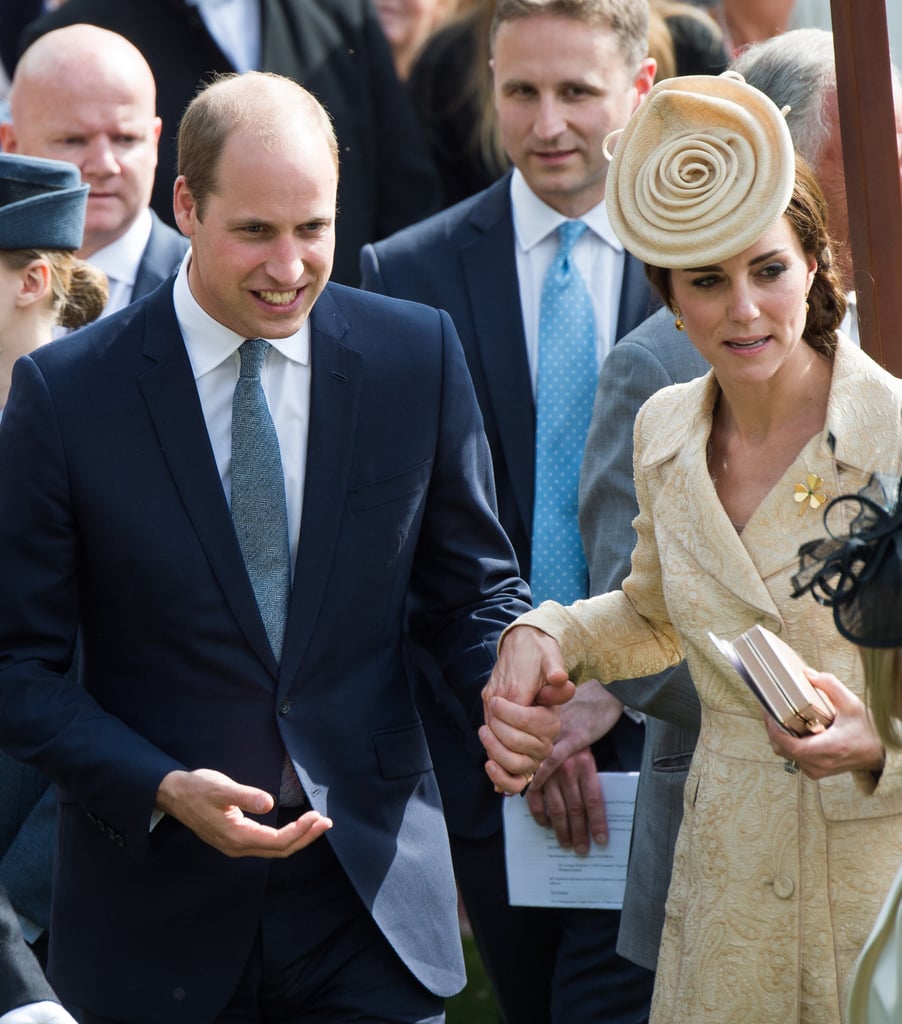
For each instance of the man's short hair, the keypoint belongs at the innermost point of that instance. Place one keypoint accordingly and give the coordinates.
(231, 102)
(627, 19)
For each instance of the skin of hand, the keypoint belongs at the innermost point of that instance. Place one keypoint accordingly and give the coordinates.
(520, 703)
(213, 806)
(850, 744)
(566, 793)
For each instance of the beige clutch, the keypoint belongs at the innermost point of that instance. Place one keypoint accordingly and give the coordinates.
(776, 675)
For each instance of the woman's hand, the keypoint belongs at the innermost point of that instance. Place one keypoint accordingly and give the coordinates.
(850, 744)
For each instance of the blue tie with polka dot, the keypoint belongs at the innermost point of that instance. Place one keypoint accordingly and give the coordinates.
(568, 369)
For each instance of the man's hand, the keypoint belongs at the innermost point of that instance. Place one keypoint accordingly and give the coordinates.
(850, 744)
(565, 792)
(530, 670)
(214, 808)
(520, 705)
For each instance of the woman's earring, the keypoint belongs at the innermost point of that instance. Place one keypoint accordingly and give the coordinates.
(678, 322)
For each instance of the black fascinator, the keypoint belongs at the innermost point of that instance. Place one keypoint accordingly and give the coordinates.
(858, 573)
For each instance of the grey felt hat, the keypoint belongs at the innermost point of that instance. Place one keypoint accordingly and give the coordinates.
(42, 203)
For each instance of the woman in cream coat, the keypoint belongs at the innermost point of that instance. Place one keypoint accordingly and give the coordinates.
(778, 873)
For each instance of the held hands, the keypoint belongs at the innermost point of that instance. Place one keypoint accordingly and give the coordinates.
(850, 744)
(566, 793)
(520, 705)
(214, 808)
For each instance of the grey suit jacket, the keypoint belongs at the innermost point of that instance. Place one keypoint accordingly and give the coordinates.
(651, 357)
(21, 978)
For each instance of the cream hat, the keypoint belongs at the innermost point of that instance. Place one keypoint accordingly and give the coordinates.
(703, 169)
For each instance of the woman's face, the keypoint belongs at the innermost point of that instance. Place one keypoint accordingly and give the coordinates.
(746, 315)
(407, 23)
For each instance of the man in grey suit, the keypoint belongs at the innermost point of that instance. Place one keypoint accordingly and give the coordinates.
(794, 69)
(87, 95)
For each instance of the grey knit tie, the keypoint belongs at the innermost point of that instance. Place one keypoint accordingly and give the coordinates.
(259, 511)
(260, 514)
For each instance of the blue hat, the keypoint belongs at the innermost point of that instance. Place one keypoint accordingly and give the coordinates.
(42, 203)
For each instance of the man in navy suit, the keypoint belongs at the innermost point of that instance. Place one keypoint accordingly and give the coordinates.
(565, 75)
(86, 95)
(184, 891)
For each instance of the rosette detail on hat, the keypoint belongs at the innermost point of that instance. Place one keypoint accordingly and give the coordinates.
(703, 169)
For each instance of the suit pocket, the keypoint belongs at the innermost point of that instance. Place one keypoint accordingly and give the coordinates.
(381, 492)
(672, 763)
(402, 752)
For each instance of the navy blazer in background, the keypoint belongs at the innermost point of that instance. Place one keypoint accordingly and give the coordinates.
(463, 260)
(113, 517)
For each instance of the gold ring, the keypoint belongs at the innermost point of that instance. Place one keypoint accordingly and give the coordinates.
(529, 777)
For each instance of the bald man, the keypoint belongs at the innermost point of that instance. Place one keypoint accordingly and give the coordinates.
(87, 95)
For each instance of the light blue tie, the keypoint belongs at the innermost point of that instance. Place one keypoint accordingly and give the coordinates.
(568, 370)
(260, 515)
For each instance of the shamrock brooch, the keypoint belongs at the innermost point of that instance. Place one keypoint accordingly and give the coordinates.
(809, 494)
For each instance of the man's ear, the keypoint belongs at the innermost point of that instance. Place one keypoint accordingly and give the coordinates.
(8, 137)
(34, 285)
(183, 206)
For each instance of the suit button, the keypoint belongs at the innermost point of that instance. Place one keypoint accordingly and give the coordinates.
(179, 993)
(784, 887)
(284, 707)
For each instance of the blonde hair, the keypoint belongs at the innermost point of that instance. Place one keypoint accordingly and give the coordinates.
(883, 685)
(78, 291)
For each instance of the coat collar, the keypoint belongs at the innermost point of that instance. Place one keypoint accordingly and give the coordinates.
(854, 442)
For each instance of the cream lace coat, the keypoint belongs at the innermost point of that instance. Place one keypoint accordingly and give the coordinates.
(777, 879)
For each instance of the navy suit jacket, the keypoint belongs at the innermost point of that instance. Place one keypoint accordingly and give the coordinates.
(463, 260)
(113, 520)
(161, 257)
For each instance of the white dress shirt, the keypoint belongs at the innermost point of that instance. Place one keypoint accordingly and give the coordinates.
(235, 26)
(598, 255)
(120, 261)
(213, 353)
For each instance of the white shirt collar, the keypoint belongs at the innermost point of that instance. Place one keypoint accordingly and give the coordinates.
(120, 259)
(534, 219)
(210, 343)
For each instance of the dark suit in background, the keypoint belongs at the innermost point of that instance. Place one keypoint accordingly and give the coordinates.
(162, 254)
(336, 49)
(463, 260)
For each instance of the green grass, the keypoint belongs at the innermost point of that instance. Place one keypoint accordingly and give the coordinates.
(476, 1004)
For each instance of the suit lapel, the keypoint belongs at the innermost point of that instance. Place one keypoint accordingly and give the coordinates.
(490, 272)
(171, 397)
(336, 372)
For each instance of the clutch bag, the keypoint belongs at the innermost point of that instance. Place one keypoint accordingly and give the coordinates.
(776, 675)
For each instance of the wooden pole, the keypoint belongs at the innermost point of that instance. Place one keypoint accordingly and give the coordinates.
(871, 159)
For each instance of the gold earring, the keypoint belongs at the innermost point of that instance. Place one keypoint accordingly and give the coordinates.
(678, 322)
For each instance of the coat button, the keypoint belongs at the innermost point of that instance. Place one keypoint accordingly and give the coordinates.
(784, 887)
(284, 707)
